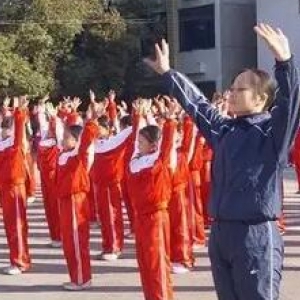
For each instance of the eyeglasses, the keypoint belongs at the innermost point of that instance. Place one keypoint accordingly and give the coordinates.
(238, 89)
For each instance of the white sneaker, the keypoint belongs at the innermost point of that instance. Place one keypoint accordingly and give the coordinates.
(12, 270)
(71, 286)
(178, 268)
(56, 244)
(198, 247)
(129, 235)
(30, 200)
(110, 256)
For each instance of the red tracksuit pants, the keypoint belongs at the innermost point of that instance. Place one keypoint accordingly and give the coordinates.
(93, 203)
(152, 244)
(51, 206)
(128, 204)
(74, 221)
(180, 235)
(196, 209)
(15, 223)
(205, 175)
(109, 200)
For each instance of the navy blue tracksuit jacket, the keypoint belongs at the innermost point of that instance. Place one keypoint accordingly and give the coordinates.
(246, 198)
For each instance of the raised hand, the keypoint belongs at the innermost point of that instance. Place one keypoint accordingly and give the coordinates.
(123, 108)
(51, 110)
(76, 103)
(172, 107)
(6, 102)
(92, 96)
(98, 109)
(276, 41)
(161, 64)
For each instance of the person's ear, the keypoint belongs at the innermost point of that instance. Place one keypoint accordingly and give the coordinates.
(262, 99)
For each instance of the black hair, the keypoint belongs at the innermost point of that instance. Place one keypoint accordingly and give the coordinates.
(126, 121)
(151, 133)
(75, 131)
(7, 122)
(103, 121)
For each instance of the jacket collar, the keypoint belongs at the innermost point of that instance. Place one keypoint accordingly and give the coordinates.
(253, 118)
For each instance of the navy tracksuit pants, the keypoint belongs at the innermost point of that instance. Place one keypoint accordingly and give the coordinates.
(246, 260)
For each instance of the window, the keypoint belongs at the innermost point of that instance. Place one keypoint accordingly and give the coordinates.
(207, 87)
(197, 28)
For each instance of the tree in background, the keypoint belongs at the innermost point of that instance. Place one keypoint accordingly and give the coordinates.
(70, 46)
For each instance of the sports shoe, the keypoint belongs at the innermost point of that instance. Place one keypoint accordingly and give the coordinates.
(71, 286)
(12, 270)
(198, 247)
(110, 256)
(56, 244)
(30, 200)
(129, 235)
(178, 268)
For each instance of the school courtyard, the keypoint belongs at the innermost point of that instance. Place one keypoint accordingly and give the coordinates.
(120, 279)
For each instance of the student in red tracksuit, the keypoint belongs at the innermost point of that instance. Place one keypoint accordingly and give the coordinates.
(108, 176)
(150, 190)
(205, 175)
(13, 191)
(47, 156)
(180, 237)
(73, 184)
(125, 122)
(196, 206)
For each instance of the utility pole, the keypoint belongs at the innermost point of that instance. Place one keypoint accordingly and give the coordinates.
(172, 29)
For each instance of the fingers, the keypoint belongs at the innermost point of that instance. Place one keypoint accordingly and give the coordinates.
(165, 48)
(266, 31)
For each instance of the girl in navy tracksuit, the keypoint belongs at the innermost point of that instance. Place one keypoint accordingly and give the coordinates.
(251, 151)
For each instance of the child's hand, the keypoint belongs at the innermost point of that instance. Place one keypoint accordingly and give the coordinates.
(98, 109)
(172, 108)
(92, 96)
(275, 40)
(76, 103)
(51, 110)
(6, 102)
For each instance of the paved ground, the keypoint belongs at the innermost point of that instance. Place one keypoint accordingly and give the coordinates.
(120, 280)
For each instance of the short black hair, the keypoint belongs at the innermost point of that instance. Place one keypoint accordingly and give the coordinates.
(151, 133)
(103, 121)
(7, 123)
(75, 131)
(126, 121)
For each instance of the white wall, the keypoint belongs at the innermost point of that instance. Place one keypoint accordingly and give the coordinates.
(286, 15)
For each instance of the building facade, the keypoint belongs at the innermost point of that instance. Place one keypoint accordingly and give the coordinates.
(212, 40)
(282, 14)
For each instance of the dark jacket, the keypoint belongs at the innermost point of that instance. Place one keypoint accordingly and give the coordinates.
(250, 152)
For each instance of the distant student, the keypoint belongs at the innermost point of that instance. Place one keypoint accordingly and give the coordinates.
(13, 189)
(150, 191)
(73, 184)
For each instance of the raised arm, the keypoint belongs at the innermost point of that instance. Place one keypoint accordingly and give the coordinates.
(286, 109)
(207, 118)
(20, 120)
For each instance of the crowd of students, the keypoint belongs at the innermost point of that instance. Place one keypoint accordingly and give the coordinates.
(152, 157)
(89, 167)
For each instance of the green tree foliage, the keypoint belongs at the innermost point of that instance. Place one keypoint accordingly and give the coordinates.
(70, 46)
(38, 40)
